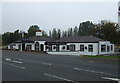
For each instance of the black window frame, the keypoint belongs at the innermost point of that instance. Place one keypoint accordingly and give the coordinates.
(30, 47)
(103, 49)
(90, 48)
(19, 47)
(111, 47)
(108, 48)
(68, 47)
(57, 48)
(82, 48)
(72, 47)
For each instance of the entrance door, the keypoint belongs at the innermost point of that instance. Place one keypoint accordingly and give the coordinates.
(23, 47)
(37, 46)
(42, 47)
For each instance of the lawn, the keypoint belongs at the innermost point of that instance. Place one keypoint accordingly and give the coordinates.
(111, 57)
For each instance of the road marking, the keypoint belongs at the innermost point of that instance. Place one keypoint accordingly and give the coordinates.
(94, 71)
(47, 64)
(59, 78)
(8, 59)
(17, 61)
(114, 79)
(15, 65)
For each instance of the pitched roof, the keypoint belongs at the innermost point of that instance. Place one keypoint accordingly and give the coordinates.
(25, 40)
(39, 38)
(73, 39)
(81, 39)
(35, 38)
(12, 44)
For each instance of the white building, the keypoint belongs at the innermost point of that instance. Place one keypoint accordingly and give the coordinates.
(77, 45)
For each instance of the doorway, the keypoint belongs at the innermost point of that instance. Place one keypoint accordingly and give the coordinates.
(42, 47)
(23, 47)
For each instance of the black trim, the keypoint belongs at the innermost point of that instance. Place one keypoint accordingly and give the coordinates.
(64, 43)
(55, 43)
(25, 42)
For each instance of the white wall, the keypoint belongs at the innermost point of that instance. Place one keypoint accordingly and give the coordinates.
(107, 43)
(17, 46)
(32, 44)
(40, 42)
(77, 49)
(61, 46)
(86, 52)
(8, 46)
(96, 49)
(65, 53)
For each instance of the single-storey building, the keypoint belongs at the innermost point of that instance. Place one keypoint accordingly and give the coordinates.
(75, 45)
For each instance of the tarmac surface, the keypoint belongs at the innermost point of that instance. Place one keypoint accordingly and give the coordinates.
(32, 66)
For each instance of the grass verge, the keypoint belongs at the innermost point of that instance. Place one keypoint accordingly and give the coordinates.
(109, 57)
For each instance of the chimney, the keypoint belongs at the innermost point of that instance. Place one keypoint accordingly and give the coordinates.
(39, 33)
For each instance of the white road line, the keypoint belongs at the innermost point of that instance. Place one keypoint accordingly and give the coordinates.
(94, 71)
(8, 59)
(17, 62)
(47, 64)
(59, 78)
(15, 65)
(114, 79)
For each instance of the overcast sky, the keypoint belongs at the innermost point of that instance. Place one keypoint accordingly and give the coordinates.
(49, 15)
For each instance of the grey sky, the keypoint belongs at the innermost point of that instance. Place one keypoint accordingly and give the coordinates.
(49, 15)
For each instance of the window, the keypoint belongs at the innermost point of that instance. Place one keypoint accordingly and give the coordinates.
(90, 48)
(82, 48)
(11, 46)
(108, 48)
(68, 47)
(119, 9)
(50, 47)
(103, 48)
(111, 47)
(29, 47)
(57, 47)
(72, 47)
(63, 47)
(19, 47)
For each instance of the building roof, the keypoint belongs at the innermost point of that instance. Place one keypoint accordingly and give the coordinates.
(73, 39)
(81, 39)
(35, 38)
(40, 38)
(12, 44)
(25, 40)
(39, 31)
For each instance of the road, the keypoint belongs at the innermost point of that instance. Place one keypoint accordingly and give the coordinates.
(31, 66)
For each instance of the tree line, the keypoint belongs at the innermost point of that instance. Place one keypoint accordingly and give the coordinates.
(104, 29)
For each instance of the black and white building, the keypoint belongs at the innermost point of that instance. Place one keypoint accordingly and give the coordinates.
(77, 45)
